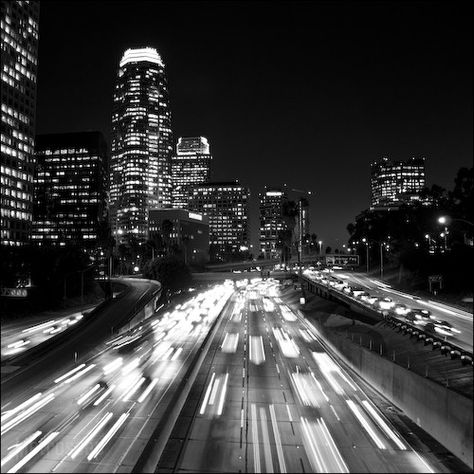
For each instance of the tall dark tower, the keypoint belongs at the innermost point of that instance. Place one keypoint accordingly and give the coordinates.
(19, 38)
(141, 143)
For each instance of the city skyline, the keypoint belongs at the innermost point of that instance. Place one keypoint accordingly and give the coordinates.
(259, 123)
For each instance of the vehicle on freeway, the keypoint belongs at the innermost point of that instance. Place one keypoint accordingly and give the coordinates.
(445, 328)
(339, 284)
(384, 303)
(370, 299)
(416, 316)
(421, 314)
(347, 289)
(410, 317)
(400, 309)
(357, 291)
(361, 295)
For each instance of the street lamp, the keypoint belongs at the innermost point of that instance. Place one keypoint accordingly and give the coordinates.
(320, 245)
(364, 240)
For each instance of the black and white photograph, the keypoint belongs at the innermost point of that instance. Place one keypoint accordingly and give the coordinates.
(237, 236)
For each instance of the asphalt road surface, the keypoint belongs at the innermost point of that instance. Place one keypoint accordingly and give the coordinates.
(96, 414)
(269, 398)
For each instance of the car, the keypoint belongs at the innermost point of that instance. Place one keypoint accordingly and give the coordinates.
(356, 291)
(445, 328)
(410, 317)
(400, 309)
(385, 303)
(361, 295)
(418, 317)
(422, 314)
(347, 289)
(370, 299)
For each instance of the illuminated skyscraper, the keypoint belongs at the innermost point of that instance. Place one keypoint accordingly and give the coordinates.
(398, 182)
(19, 45)
(226, 205)
(70, 198)
(190, 166)
(271, 220)
(141, 143)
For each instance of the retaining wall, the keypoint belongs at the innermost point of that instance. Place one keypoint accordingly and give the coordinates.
(444, 414)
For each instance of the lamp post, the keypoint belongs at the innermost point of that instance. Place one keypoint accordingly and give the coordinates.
(446, 220)
(367, 255)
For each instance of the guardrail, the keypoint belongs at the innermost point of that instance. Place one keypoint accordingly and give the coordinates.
(445, 347)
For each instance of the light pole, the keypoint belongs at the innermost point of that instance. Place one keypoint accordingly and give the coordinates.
(367, 255)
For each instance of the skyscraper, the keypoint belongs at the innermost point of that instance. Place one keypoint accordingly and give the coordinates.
(271, 220)
(226, 205)
(141, 143)
(397, 182)
(70, 198)
(19, 45)
(190, 166)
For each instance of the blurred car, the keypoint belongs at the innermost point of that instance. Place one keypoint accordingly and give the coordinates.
(356, 291)
(445, 328)
(347, 289)
(384, 303)
(418, 316)
(361, 295)
(422, 314)
(410, 317)
(400, 309)
(370, 299)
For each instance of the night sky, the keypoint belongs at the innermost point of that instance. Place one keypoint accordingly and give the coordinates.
(303, 93)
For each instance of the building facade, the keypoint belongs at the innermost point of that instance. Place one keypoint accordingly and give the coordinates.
(226, 206)
(397, 182)
(141, 143)
(19, 54)
(271, 220)
(70, 196)
(187, 233)
(190, 166)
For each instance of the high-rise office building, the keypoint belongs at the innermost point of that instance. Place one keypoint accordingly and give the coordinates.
(226, 205)
(70, 197)
(19, 54)
(271, 220)
(141, 143)
(397, 182)
(190, 166)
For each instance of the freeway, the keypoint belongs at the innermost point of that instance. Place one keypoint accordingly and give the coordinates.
(270, 398)
(21, 335)
(96, 415)
(459, 319)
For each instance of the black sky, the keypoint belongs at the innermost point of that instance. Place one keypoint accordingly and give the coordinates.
(303, 93)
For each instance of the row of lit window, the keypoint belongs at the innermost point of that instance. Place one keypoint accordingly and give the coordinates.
(12, 214)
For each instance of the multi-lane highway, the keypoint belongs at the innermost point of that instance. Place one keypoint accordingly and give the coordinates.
(20, 336)
(97, 414)
(460, 320)
(269, 398)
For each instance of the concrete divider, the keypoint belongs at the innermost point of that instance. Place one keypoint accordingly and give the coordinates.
(149, 458)
(443, 413)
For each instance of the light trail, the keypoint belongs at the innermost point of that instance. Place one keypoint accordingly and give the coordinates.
(276, 435)
(383, 425)
(342, 467)
(206, 396)
(88, 394)
(20, 447)
(266, 441)
(107, 437)
(220, 407)
(113, 365)
(147, 391)
(73, 454)
(22, 416)
(34, 452)
(256, 350)
(256, 453)
(20, 407)
(132, 390)
(39, 326)
(104, 395)
(355, 409)
(79, 374)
